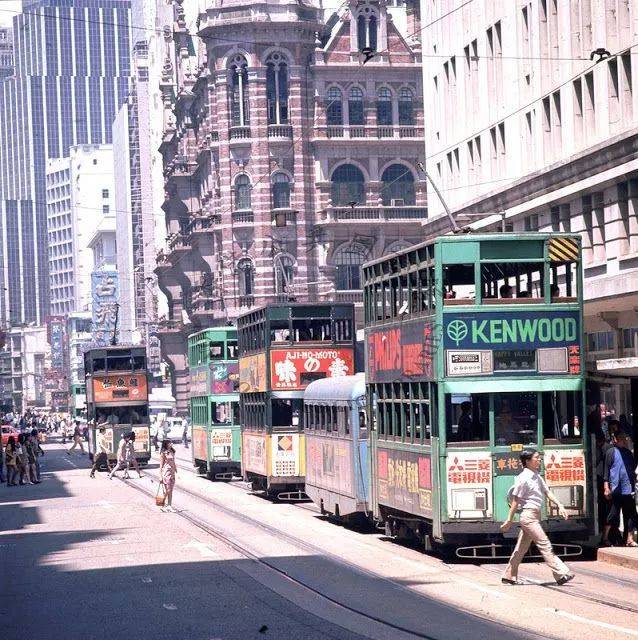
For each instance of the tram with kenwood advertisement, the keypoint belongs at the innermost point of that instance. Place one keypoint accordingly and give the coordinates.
(117, 397)
(336, 437)
(282, 349)
(474, 351)
(214, 402)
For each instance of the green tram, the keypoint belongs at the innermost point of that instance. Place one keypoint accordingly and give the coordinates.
(77, 405)
(474, 351)
(214, 402)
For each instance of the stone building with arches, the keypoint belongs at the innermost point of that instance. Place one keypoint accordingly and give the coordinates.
(292, 142)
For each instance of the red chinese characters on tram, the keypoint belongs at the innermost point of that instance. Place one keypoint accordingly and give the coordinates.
(469, 470)
(564, 468)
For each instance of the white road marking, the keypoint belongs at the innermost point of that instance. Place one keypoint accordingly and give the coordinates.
(170, 606)
(203, 549)
(70, 462)
(147, 580)
(478, 587)
(597, 623)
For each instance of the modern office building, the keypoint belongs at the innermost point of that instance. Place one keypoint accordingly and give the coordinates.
(72, 63)
(530, 129)
(289, 158)
(6, 52)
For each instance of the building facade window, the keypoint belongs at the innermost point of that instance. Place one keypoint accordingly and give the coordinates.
(348, 261)
(277, 89)
(406, 107)
(397, 186)
(348, 186)
(242, 192)
(355, 107)
(105, 193)
(384, 107)
(367, 26)
(334, 108)
(246, 273)
(280, 191)
(239, 92)
(284, 273)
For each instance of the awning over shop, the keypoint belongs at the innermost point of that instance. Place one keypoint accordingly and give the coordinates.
(627, 367)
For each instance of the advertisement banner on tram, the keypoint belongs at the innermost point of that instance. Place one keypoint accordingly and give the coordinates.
(469, 484)
(199, 443)
(329, 463)
(142, 438)
(224, 377)
(295, 369)
(221, 443)
(400, 353)
(116, 388)
(285, 450)
(405, 480)
(198, 382)
(254, 453)
(252, 373)
(565, 475)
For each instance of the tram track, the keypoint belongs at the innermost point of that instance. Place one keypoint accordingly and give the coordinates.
(304, 545)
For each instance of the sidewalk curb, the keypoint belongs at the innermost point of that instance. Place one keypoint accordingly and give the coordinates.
(622, 556)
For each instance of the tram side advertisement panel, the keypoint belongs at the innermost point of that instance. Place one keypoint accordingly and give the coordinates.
(199, 443)
(286, 455)
(329, 464)
(142, 439)
(221, 444)
(295, 369)
(254, 453)
(116, 388)
(405, 481)
(565, 475)
(469, 484)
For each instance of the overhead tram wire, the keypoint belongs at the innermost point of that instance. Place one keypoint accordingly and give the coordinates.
(234, 41)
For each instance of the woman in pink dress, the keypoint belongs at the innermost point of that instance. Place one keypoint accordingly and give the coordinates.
(168, 471)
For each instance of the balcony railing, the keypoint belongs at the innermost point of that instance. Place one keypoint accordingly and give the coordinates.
(372, 214)
(283, 217)
(334, 131)
(239, 133)
(385, 132)
(279, 131)
(170, 326)
(247, 301)
(179, 242)
(243, 217)
(349, 295)
(208, 305)
(369, 132)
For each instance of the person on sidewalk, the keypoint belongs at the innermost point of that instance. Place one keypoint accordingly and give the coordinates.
(11, 458)
(38, 451)
(2, 462)
(131, 460)
(121, 456)
(168, 472)
(185, 434)
(23, 460)
(32, 456)
(527, 496)
(77, 439)
(102, 451)
(619, 484)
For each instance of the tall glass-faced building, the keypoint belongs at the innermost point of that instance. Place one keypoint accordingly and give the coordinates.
(72, 67)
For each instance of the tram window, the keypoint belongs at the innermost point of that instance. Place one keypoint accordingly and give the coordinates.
(279, 331)
(562, 417)
(216, 350)
(515, 418)
(307, 377)
(311, 330)
(139, 363)
(124, 415)
(467, 418)
(459, 286)
(342, 330)
(118, 363)
(99, 364)
(231, 349)
(346, 420)
(224, 412)
(564, 280)
(514, 282)
(363, 424)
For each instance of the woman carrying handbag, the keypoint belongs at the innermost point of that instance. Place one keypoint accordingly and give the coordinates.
(168, 471)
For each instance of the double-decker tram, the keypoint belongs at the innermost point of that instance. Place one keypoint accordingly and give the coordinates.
(117, 397)
(474, 351)
(282, 349)
(214, 402)
(336, 436)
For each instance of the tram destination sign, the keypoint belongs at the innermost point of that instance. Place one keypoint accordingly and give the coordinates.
(516, 331)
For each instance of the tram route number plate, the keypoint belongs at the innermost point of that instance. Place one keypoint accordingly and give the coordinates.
(469, 363)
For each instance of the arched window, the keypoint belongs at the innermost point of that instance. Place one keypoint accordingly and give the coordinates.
(348, 260)
(284, 273)
(384, 107)
(367, 28)
(239, 92)
(348, 186)
(280, 191)
(277, 89)
(334, 108)
(242, 192)
(406, 108)
(398, 186)
(246, 273)
(355, 106)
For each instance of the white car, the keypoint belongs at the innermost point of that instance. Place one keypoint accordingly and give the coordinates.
(173, 429)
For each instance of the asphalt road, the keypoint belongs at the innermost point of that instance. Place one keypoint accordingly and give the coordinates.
(95, 558)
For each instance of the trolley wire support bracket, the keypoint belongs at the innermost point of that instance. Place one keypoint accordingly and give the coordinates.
(293, 496)
(504, 551)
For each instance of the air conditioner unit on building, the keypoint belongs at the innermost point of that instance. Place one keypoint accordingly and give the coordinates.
(397, 202)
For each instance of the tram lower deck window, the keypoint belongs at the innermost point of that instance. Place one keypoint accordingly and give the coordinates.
(287, 413)
(562, 417)
(468, 418)
(516, 418)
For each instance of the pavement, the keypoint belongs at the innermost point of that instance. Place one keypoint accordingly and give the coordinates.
(621, 556)
(100, 560)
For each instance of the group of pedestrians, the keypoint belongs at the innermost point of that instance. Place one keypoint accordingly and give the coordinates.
(22, 459)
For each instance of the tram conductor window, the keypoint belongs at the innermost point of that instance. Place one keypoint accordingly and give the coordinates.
(515, 418)
(458, 284)
(467, 418)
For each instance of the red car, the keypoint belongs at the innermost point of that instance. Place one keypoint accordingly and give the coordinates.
(7, 431)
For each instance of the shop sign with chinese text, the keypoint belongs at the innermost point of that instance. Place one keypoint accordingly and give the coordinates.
(118, 388)
(295, 369)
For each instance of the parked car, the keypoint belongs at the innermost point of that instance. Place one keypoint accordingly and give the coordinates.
(8, 431)
(174, 429)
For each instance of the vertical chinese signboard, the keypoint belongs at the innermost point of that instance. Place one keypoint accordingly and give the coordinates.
(105, 294)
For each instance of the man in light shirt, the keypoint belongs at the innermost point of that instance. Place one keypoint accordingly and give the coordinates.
(527, 497)
(102, 451)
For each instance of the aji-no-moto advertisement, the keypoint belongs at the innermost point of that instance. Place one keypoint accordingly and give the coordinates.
(329, 464)
(295, 369)
(253, 454)
(469, 484)
(199, 443)
(405, 481)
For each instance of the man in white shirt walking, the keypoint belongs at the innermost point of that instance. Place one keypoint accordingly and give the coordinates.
(102, 450)
(527, 497)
